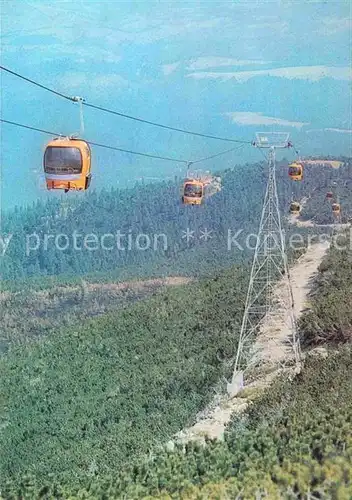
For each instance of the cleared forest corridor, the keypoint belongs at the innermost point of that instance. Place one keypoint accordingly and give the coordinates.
(271, 347)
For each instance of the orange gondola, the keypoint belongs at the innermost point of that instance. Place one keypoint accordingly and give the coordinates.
(193, 192)
(336, 209)
(295, 171)
(67, 164)
(295, 208)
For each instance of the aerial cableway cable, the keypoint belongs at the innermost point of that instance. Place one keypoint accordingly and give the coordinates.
(165, 126)
(123, 115)
(37, 84)
(106, 146)
(290, 145)
(97, 144)
(217, 154)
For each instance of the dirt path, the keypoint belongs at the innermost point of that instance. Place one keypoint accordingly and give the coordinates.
(140, 285)
(270, 350)
(143, 285)
(63, 305)
(309, 223)
(271, 346)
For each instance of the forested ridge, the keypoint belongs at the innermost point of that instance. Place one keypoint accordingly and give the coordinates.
(152, 210)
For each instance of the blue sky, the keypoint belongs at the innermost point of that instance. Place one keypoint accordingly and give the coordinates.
(219, 67)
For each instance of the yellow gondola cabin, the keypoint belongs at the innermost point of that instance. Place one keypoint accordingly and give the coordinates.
(193, 192)
(67, 164)
(336, 208)
(295, 208)
(295, 171)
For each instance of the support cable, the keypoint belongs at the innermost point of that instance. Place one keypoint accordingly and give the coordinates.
(106, 146)
(123, 115)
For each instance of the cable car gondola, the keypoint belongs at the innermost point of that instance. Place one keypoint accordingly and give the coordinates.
(336, 209)
(67, 164)
(295, 208)
(295, 171)
(193, 192)
(329, 195)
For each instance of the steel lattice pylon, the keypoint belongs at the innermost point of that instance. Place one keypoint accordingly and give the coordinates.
(268, 269)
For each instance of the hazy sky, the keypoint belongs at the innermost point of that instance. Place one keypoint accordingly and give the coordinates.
(220, 67)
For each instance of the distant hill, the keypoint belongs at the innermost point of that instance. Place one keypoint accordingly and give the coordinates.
(48, 238)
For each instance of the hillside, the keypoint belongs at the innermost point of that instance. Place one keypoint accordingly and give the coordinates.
(107, 389)
(293, 440)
